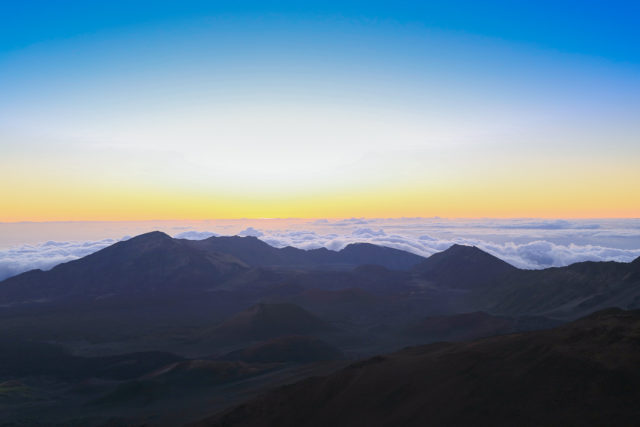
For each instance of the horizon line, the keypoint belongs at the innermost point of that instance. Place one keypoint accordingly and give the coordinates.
(326, 218)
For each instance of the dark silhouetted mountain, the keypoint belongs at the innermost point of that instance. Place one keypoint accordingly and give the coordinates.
(257, 253)
(146, 263)
(366, 253)
(154, 293)
(152, 283)
(251, 250)
(583, 373)
(265, 321)
(371, 278)
(568, 292)
(462, 267)
(154, 262)
(468, 326)
(299, 349)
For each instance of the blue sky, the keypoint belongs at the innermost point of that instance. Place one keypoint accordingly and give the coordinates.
(319, 109)
(601, 28)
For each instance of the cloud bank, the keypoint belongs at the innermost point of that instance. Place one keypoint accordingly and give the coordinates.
(531, 255)
(195, 235)
(525, 243)
(46, 255)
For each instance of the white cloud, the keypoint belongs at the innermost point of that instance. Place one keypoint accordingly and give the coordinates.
(542, 254)
(367, 232)
(250, 231)
(525, 243)
(532, 255)
(527, 224)
(46, 255)
(195, 235)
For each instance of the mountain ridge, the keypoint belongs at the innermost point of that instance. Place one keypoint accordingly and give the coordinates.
(582, 373)
(148, 262)
(463, 267)
(457, 280)
(156, 262)
(258, 253)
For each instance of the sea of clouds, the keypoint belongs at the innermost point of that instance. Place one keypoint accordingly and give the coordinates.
(45, 255)
(531, 244)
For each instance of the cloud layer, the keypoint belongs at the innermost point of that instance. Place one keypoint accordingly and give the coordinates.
(46, 255)
(195, 235)
(525, 243)
(532, 255)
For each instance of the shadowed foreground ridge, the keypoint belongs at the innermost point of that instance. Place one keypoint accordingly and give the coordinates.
(583, 373)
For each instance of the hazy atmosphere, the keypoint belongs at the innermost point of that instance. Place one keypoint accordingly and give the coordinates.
(319, 213)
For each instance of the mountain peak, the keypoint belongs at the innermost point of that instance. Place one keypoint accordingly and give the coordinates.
(150, 262)
(360, 245)
(462, 266)
(467, 251)
(151, 236)
(136, 245)
(457, 248)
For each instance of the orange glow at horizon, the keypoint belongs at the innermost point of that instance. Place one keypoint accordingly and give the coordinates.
(87, 204)
(232, 115)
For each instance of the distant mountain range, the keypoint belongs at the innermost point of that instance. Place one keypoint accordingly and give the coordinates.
(155, 262)
(256, 253)
(147, 263)
(462, 278)
(129, 328)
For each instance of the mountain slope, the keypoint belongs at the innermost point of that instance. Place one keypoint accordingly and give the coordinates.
(155, 262)
(467, 326)
(257, 253)
(568, 292)
(293, 348)
(583, 373)
(265, 321)
(179, 378)
(462, 267)
(146, 263)
(19, 358)
(368, 254)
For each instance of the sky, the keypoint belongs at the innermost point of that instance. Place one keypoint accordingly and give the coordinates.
(193, 110)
